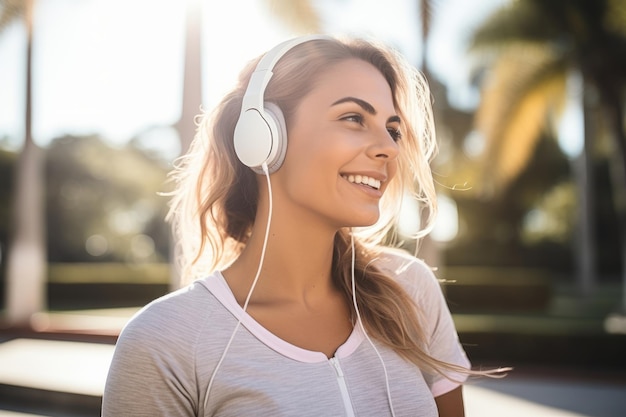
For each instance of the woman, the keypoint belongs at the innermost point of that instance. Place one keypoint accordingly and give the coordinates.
(272, 325)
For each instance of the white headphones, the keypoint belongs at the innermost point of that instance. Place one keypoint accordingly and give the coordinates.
(260, 134)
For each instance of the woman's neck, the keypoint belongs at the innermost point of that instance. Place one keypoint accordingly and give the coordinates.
(297, 263)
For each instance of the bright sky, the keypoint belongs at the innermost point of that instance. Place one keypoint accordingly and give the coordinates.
(114, 67)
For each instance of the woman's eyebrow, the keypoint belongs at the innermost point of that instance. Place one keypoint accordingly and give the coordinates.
(366, 106)
(362, 103)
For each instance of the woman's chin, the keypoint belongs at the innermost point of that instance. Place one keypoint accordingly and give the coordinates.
(364, 221)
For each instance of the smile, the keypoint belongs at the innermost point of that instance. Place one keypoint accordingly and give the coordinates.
(364, 180)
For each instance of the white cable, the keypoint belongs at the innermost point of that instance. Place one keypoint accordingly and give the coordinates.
(256, 278)
(358, 317)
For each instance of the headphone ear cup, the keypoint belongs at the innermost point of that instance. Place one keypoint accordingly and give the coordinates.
(261, 136)
(252, 139)
(260, 133)
(279, 137)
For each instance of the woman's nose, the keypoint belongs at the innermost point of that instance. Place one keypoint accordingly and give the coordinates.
(383, 146)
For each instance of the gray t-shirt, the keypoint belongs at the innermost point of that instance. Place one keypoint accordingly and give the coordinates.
(166, 354)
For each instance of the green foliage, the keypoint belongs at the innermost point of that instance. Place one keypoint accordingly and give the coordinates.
(517, 21)
(528, 43)
(553, 217)
(528, 48)
(108, 273)
(103, 203)
(570, 26)
(105, 285)
(491, 231)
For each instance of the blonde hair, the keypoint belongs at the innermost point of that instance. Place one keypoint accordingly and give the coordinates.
(214, 204)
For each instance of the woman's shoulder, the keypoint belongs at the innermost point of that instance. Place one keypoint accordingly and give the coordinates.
(400, 263)
(415, 275)
(174, 315)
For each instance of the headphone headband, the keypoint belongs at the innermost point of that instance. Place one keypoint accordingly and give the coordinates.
(253, 98)
(260, 134)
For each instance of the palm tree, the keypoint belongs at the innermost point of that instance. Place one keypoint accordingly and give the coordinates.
(26, 264)
(529, 48)
(426, 249)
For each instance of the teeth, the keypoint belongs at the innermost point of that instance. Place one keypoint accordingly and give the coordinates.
(363, 179)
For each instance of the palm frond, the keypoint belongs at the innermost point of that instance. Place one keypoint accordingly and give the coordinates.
(517, 21)
(616, 17)
(527, 82)
(10, 10)
(299, 15)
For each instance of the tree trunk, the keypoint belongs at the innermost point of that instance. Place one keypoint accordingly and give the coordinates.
(192, 101)
(610, 86)
(427, 249)
(192, 83)
(585, 253)
(615, 112)
(26, 267)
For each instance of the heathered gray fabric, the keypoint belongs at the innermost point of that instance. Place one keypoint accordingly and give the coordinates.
(166, 354)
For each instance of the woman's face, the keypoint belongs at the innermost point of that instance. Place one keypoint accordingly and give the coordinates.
(342, 147)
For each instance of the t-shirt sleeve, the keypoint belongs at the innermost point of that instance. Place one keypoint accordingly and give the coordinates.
(151, 373)
(443, 342)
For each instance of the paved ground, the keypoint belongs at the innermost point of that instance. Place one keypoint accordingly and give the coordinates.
(35, 373)
(80, 368)
(545, 396)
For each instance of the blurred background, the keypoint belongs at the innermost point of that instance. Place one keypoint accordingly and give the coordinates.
(98, 98)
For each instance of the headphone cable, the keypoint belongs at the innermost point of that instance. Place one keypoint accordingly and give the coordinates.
(358, 317)
(256, 279)
(254, 282)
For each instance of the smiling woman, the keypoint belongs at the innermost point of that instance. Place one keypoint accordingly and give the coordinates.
(292, 312)
(335, 136)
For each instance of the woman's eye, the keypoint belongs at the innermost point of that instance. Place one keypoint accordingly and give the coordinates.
(395, 133)
(354, 118)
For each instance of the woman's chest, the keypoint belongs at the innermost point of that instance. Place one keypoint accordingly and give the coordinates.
(258, 382)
